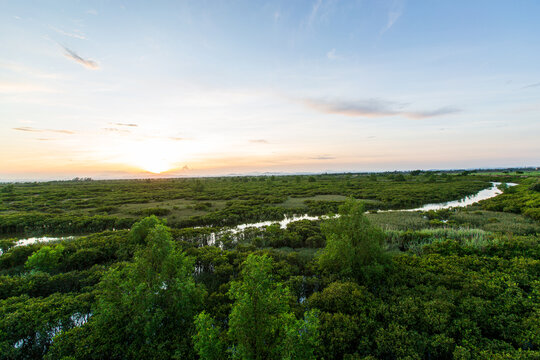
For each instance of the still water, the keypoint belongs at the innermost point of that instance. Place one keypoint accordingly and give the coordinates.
(466, 201)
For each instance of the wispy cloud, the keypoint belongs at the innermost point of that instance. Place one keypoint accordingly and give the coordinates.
(394, 14)
(89, 64)
(323, 157)
(112, 129)
(313, 13)
(14, 87)
(319, 11)
(28, 71)
(258, 141)
(373, 108)
(31, 129)
(531, 85)
(332, 55)
(126, 124)
(92, 12)
(160, 137)
(75, 34)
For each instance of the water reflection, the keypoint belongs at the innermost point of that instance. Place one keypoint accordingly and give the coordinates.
(211, 240)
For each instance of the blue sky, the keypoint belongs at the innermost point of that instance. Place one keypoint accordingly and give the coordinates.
(125, 88)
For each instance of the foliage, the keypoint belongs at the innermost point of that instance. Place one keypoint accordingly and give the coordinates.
(535, 186)
(45, 259)
(6, 244)
(256, 316)
(141, 229)
(145, 308)
(465, 289)
(28, 325)
(301, 337)
(352, 243)
(261, 323)
(521, 199)
(82, 207)
(207, 342)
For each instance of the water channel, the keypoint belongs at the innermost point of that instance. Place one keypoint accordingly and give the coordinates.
(466, 201)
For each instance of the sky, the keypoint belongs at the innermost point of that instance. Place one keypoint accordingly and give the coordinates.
(118, 89)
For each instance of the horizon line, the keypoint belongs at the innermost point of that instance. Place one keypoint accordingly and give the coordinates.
(267, 173)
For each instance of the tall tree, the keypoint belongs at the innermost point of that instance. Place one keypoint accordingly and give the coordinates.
(208, 342)
(256, 316)
(146, 307)
(261, 323)
(353, 245)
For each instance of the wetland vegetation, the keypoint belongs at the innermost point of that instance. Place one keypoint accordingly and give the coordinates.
(154, 271)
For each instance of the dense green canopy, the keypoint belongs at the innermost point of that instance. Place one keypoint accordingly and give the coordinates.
(448, 284)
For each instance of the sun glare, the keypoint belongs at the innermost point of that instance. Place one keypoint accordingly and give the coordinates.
(151, 156)
(156, 167)
(158, 154)
(154, 162)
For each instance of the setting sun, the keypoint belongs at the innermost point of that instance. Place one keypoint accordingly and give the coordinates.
(157, 167)
(154, 155)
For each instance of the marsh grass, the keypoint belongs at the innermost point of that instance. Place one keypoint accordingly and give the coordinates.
(494, 221)
(399, 220)
(414, 241)
(295, 202)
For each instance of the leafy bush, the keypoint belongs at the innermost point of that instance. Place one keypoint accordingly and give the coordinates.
(45, 259)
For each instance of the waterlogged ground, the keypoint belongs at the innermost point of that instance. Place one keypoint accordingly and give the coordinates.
(484, 194)
(474, 267)
(82, 207)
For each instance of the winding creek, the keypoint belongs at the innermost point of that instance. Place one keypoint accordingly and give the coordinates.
(79, 319)
(466, 201)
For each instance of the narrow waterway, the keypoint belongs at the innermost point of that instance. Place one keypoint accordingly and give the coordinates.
(34, 240)
(466, 201)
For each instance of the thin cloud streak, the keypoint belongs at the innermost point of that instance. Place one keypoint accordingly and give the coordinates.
(26, 70)
(393, 15)
(89, 64)
(31, 129)
(531, 85)
(373, 108)
(73, 35)
(12, 87)
(323, 157)
(314, 10)
(124, 124)
(116, 130)
(258, 141)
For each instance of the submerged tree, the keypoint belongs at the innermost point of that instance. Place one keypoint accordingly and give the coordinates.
(261, 323)
(353, 245)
